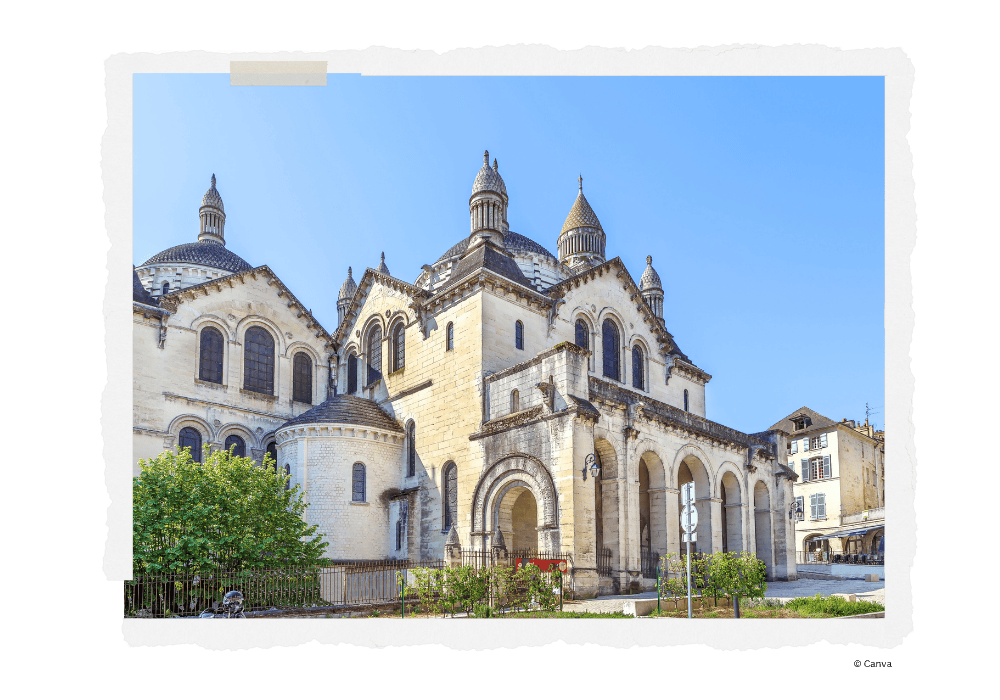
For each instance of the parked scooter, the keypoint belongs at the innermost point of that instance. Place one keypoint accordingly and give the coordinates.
(232, 606)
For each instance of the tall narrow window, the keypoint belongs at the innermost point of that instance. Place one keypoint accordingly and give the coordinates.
(582, 334)
(374, 354)
(398, 347)
(210, 356)
(411, 449)
(191, 438)
(450, 337)
(612, 357)
(288, 477)
(258, 361)
(686, 402)
(519, 335)
(352, 373)
(239, 447)
(358, 483)
(399, 535)
(638, 368)
(449, 497)
(515, 401)
(302, 378)
(166, 288)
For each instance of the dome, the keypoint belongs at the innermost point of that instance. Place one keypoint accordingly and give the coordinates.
(212, 197)
(516, 243)
(382, 267)
(348, 288)
(203, 253)
(581, 214)
(649, 280)
(352, 410)
(488, 179)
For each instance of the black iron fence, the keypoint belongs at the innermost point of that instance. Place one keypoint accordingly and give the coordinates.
(825, 557)
(649, 560)
(340, 584)
(604, 562)
(482, 559)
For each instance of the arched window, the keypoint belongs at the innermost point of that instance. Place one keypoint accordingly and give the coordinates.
(258, 361)
(398, 347)
(374, 354)
(450, 337)
(519, 335)
(239, 447)
(638, 368)
(210, 356)
(686, 400)
(272, 452)
(612, 358)
(582, 334)
(515, 401)
(352, 373)
(288, 477)
(449, 495)
(191, 438)
(358, 483)
(399, 535)
(411, 448)
(166, 288)
(302, 378)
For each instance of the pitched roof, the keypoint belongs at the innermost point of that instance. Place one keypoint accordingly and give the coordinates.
(816, 420)
(486, 257)
(139, 292)
(352, 410)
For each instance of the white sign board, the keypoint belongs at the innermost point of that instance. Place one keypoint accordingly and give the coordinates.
(687, 493)
(689, 518)
(693, 537)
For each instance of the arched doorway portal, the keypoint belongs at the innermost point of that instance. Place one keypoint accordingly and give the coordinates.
(693, 469)
(606, 499)
(498, 493)
(652, 512)
(519, 520)
(762, 525)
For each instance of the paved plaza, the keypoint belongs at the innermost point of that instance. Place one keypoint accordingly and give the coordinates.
(781, 590)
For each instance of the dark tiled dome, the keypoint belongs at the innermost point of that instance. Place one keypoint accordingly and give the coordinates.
(352, 410)
(204, 253)
(513, 242)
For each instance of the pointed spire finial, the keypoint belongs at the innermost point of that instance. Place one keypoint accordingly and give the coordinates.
(649, 259)
(383, 256)
(581, 182)
(213, 179)
(486, 158)
(495, 165)
(348, 272)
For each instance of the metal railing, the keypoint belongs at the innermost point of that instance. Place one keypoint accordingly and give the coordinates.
(649, 560)
(824, 557)
(485, 558)
(336, 585)
(604, 563)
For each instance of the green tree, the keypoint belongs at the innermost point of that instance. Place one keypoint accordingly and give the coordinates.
(225, 513)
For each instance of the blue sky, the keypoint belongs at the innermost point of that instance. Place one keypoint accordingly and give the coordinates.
(761, 200)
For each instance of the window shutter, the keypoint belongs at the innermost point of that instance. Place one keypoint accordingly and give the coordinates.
(812, 507)
(795, 446)
(805, 470)
(821, 504)
(822, 440)
(827, 468)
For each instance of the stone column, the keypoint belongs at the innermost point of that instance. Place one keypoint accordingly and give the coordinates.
(716, 510)
(671, 503)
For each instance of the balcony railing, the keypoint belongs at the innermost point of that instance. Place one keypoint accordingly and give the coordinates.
(873, 514)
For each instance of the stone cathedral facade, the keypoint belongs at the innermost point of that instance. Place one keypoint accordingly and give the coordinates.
(508, 397)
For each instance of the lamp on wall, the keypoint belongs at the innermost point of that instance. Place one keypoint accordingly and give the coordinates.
(591, 463)
(794, 509)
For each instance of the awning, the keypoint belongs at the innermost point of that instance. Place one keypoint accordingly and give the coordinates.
(849, 533)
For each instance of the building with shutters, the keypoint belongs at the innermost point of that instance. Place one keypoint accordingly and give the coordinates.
(464, 403)
(841, 485)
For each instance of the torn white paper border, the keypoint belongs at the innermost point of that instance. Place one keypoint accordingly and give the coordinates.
(900, 236)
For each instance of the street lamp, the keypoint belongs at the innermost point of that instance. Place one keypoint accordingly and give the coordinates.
(591, 463)
(794, 509)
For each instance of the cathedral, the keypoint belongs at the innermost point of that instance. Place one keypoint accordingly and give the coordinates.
(507, 398)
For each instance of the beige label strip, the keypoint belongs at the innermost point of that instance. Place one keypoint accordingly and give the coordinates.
(277, 72)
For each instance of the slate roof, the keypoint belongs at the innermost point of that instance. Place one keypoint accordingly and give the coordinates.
(352, 410)
(139, 292)
(581, 214)
(489, 258)
(205, 253)
(511, 241)
(818, 421)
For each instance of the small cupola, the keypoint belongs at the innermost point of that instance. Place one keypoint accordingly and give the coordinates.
(652, 288)
(212, 216)
(581, 241)
(488, 204)
(347, 290)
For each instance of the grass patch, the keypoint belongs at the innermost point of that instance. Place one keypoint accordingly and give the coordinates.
(832, 607)
(566, 614)
(772, 609)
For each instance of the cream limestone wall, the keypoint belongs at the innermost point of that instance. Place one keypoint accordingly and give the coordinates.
(178, 276)
(167, 394)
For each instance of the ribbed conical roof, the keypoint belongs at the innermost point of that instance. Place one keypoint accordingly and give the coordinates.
(488, 179)
(649, 279)
(348, 288)
(382, 267)
(212, 197)
(581, 214)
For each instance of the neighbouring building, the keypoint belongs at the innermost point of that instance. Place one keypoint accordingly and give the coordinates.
(507, 397)
(841, 486)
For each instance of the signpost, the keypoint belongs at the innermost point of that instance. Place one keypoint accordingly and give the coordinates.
(689, 521)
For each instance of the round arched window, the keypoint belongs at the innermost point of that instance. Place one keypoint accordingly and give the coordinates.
(611, 342)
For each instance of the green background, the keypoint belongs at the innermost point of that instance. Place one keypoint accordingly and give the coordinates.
(66, 630)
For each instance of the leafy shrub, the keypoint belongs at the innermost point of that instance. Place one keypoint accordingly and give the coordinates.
(835, 606)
